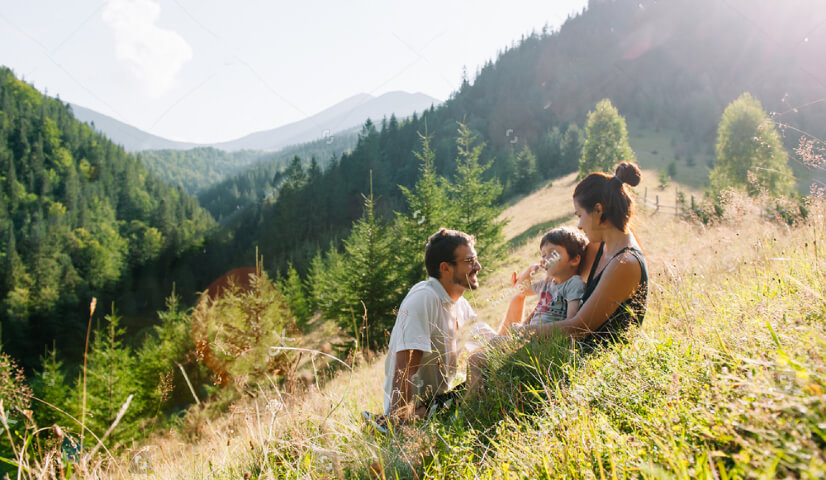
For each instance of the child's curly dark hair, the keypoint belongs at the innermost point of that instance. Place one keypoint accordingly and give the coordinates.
(572, 240)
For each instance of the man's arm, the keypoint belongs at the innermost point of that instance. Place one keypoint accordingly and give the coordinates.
(402, 399)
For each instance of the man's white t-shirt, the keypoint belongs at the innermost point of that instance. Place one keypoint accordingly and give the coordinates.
(428, 320)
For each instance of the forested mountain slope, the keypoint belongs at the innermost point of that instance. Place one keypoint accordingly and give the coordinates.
(666, 65)
(197, 168)
(226, 181)
(260, 181)
(78, 217)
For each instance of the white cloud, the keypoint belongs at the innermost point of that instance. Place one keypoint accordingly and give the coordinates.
(153, 54)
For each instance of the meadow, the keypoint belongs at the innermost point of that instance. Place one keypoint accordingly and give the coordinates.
(725, 379)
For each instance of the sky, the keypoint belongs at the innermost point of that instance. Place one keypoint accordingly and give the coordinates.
(207, 71)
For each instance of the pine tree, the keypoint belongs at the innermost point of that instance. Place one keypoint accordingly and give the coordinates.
(312, 281)
(49, 384)
(322, 281)
(526, 175)
(18, 281)
(244, 328)
(294, 293)
(111, 380)
(750, 153)
(427, 211)
(368, 278)
(475, 202)
(162, 353)
(606, 140)
(570, 148)
(12, 187)
(549, 153)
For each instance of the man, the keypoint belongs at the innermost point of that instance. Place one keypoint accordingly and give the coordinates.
(421, 355)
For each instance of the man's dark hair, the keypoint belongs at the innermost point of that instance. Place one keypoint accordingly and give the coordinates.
(571, 239)
(441, 247)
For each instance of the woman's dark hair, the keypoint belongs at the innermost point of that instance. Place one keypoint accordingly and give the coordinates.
(571, 239)
(441, 247)
(610, 192)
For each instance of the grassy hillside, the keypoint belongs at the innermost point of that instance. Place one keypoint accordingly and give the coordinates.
(724, 380)
(656, 150)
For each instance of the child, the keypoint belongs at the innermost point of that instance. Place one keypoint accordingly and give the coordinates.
(560, 293)
(561, 289)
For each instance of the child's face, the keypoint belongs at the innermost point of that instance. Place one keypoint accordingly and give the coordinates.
(565, 267)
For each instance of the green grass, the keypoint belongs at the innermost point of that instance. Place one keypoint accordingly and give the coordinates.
(536, 230)
(726, 378)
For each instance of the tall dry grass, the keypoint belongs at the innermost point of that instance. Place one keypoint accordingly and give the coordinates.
(725, 379)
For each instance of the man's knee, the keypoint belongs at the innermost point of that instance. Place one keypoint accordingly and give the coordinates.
(478, 359)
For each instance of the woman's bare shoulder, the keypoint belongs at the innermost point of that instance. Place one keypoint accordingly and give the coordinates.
(625, 267)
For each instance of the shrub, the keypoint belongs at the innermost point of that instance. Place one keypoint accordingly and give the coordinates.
(15, 396)
(238, 333)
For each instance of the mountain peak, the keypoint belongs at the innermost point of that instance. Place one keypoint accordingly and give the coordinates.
(346, 114)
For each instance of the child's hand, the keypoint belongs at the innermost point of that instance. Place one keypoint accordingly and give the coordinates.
(523, 281)
(526, 275)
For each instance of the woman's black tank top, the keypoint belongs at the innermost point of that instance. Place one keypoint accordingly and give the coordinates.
(631, 311)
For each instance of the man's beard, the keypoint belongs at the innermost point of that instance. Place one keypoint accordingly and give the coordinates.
(465, 281)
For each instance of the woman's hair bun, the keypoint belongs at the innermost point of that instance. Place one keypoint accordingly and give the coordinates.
(629, 172)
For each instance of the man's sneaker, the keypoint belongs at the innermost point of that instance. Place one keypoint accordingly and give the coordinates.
(447, 401)
(379, 422)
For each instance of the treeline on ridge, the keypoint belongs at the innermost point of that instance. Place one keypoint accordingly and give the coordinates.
(79, 217)
(260, 181)
(667, 66)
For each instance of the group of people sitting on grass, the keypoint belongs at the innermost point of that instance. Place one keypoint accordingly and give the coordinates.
(595, 309)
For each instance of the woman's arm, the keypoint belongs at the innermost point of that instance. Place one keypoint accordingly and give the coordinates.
(618, 283)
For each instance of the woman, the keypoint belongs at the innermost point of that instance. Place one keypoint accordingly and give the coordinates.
(617, 288)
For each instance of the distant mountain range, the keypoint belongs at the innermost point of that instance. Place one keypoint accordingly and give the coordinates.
(131, 138)
(349, 113)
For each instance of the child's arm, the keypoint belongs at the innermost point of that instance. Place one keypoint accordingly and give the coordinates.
(513, 315)
(574, 290)
(573, 307)
(522, 282)
(516, 308)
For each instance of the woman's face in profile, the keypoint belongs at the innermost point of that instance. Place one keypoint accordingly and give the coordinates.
(588, 222)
